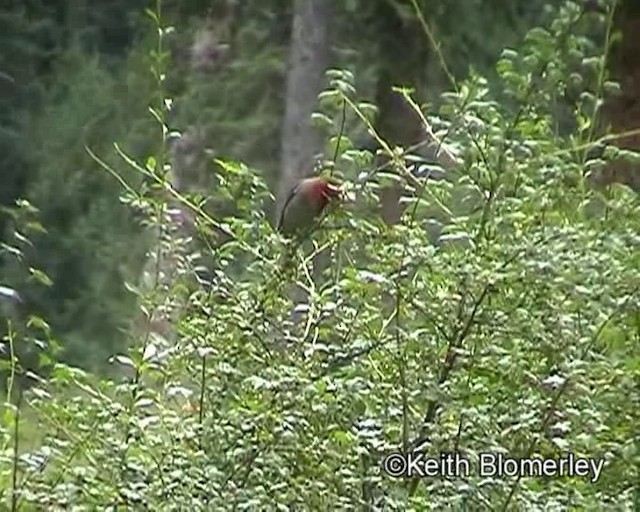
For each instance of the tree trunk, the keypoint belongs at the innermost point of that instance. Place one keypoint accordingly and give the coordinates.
(300, 141)
(308, 61)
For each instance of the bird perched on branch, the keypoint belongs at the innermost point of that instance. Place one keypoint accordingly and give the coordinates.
(305, 204)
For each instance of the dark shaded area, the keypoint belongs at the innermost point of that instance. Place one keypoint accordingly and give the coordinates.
(623, 111)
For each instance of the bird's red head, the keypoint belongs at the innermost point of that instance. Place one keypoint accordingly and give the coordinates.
(321, 191)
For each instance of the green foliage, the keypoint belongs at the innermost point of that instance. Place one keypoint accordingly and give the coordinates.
(239, 105)
(74, 76)
(473, 33)
(29, 344)
(59, 96)
(22, 53)
(469, 34)
(87, 248)
(516, 332)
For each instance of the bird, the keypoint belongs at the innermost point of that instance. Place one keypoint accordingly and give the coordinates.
(304, 205)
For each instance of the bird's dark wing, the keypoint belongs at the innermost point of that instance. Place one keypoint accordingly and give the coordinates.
(291, 195)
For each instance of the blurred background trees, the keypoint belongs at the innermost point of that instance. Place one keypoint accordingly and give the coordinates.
(76, 74)
(494, 307)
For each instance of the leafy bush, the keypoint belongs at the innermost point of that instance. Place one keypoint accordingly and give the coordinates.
(515, 332)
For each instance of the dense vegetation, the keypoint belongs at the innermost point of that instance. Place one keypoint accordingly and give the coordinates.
(500, 314)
